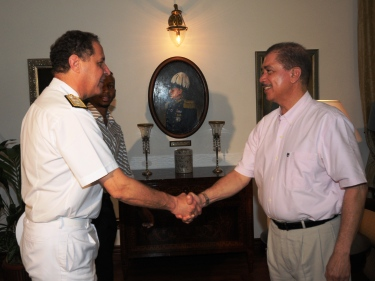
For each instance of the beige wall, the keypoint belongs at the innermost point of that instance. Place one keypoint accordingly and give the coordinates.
(222, 38)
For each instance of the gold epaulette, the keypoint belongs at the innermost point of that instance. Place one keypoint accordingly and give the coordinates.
(75, 101)
(189, 104)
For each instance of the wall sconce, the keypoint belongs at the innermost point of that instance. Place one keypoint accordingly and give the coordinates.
(145, 129)
(216, 132)
(177, 27)
(338, 105)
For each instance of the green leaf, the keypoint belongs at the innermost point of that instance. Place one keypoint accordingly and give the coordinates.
(10, 211)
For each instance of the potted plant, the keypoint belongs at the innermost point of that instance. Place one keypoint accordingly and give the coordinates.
(11, 208)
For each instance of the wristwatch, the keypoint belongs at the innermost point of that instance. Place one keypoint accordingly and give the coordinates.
(207, 199)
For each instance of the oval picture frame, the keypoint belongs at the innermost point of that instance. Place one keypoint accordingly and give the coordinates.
(181, 116)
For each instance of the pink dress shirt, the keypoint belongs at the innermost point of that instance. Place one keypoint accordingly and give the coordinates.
(302, 161)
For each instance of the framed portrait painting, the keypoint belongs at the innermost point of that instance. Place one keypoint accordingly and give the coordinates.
(178, 97)
(263, 105)
(40, 75)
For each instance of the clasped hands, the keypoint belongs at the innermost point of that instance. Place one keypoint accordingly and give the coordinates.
(188, 207)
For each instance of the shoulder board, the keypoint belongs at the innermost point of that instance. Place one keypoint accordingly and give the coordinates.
(189, 104)
(75, 101)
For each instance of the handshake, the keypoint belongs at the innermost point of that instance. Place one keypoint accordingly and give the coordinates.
(189, 206)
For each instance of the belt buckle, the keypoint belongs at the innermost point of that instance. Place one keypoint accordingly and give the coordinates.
(285, 225)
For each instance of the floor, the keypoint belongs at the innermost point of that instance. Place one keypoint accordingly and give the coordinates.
(220, 267)
(228, 267)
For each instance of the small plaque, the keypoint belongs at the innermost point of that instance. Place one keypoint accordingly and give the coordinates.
(180, 143)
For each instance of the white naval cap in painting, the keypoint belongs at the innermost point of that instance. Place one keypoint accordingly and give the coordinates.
(180, 80)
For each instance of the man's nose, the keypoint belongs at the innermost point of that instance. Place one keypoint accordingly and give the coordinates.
(262, 77)
(106, 69)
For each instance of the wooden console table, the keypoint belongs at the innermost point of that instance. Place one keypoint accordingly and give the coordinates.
(223, 227)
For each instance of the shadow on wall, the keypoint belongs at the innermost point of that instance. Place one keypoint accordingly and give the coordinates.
(219, 110)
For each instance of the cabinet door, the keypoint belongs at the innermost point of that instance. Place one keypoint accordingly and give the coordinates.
(224, 226)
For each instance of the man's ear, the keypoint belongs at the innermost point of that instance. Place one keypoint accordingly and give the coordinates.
(295, 74)
(75, 63)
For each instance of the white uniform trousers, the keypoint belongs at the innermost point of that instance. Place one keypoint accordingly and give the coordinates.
(60, 250)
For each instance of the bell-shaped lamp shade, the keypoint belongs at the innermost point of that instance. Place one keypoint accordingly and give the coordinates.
(216, 127)
(145, 129)
(338, 105)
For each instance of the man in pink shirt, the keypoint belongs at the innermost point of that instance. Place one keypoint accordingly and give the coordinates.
(306, 163)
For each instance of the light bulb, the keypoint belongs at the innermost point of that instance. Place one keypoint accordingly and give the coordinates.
(178, 38)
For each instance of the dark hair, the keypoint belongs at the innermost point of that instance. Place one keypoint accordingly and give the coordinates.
(290, 55)
(72, 42)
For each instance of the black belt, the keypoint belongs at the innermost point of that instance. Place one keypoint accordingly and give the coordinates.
(300, 224)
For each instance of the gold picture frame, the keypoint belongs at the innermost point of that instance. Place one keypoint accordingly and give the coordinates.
(40, 76)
